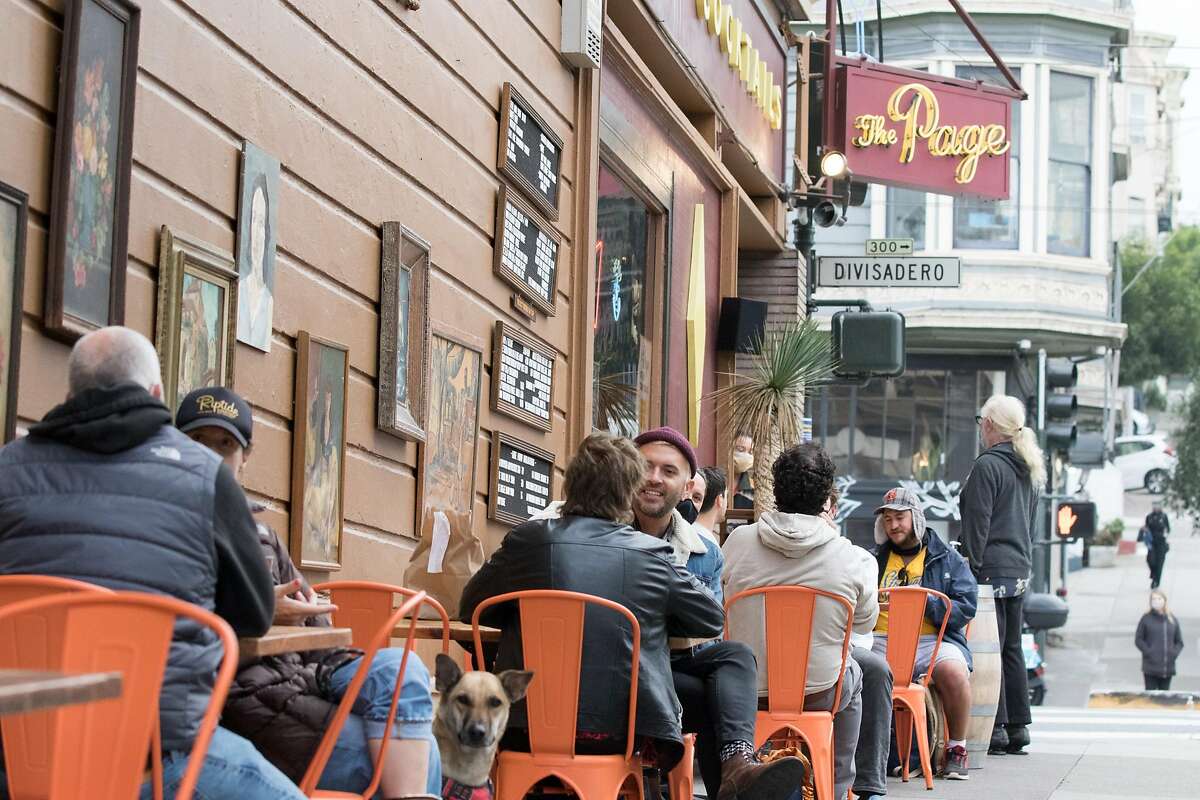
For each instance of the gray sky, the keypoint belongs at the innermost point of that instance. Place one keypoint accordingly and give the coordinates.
(1167, 16)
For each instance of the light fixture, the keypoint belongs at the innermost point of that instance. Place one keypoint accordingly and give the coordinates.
(833, 164)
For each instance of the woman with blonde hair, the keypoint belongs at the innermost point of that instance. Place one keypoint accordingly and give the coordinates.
(997, 505)
(1160, 641)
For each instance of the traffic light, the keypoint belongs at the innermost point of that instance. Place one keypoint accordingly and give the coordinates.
(1075, 520)
(1061, 404)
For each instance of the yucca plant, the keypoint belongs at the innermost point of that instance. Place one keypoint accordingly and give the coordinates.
(767, 401)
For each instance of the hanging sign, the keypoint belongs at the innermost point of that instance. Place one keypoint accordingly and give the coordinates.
(522, 377)
(526, 251)
(907, 128)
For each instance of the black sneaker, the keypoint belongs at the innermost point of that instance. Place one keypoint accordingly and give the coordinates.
(1018, 739)
(956, 764)
(999, 744)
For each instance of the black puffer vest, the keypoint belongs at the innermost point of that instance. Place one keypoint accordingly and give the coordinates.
(140, 519)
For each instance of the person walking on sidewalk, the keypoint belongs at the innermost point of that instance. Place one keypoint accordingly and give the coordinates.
(1159, 526)
(1160, 641)
(997, 505)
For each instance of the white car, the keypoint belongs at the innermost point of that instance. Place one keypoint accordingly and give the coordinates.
(1145, 462)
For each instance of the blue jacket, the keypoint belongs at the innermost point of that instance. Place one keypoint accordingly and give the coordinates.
(946, 572)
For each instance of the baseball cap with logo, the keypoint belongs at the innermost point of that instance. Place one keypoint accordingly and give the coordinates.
(218, 407)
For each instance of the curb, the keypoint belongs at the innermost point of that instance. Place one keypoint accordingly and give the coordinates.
(1162, 701)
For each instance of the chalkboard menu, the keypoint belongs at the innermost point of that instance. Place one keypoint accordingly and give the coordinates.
(526, 253)
(530, 153)
(520, 479)
(522, 377)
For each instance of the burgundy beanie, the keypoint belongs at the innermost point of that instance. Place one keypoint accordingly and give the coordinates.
(675, 439)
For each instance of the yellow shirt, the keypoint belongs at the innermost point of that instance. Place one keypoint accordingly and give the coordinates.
(891, 578)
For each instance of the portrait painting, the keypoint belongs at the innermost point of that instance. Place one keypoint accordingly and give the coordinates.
(453, 425)
(258, 201)
(318, 453)
(197, 301)
(14, 205)
(85, 280)
(403, 332)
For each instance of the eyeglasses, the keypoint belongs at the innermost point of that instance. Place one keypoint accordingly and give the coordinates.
(979, 421)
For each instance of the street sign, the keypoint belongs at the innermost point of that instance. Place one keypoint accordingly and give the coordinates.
(890, 247)
(878, 271)
(1075, 520)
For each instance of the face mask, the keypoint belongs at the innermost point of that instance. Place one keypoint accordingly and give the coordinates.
(687, 509)
(1158, 604)
(744, 462)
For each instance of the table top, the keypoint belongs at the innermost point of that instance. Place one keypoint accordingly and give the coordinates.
(26, 690)
(293, 639)
(459, 631)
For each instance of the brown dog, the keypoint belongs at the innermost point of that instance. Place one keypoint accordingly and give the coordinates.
(471, 716)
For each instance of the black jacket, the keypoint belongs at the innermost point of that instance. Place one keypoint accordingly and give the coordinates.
(1160, 642)
(610, 560)
(105, 490)
(997, 510)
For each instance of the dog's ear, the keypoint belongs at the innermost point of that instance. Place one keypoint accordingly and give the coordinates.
(515, 682)
(446, 673)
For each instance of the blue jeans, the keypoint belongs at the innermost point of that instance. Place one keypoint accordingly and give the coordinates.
(232, 768)
(350, 767)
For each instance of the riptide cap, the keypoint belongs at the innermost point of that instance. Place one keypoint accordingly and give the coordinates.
(218, 407)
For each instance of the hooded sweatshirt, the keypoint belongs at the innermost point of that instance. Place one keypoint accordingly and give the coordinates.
(997, 510)
(800, 550)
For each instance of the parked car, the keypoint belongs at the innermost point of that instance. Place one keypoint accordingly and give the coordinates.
(1145, 462)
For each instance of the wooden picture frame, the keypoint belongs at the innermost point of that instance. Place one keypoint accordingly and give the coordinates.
(500, 440)
(447, 480)
(322, 391)
(14, 221)
(735, 518)
(93, 156)
(508, 406)
(506, 244)
(510, 98)
(196, 329)
(403, 332)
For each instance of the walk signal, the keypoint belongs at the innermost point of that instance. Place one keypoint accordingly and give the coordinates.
(1075, 520)
(1060, 406)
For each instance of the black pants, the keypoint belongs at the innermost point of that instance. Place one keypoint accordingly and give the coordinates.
(1013, 708)
(1156, 558)
(718, 689)
(1157, 682)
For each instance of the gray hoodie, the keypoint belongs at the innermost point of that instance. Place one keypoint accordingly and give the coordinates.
(800, 550)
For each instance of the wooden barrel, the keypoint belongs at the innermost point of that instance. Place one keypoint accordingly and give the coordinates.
(984, 641)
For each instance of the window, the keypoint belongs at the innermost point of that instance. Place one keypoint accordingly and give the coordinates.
(626, 230)
(906, 215)
(1138, 116)
(1136, 217)
(991, 224)
(1070, 164)
(404, 332)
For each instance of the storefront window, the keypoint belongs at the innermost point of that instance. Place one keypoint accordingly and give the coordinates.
(622, 362)
(906, 215)
(1070, 164)
(991, 224)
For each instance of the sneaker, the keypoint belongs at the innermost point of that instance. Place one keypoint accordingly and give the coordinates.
(956, 764)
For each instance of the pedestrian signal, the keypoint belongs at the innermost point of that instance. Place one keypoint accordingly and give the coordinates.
(1075, 520)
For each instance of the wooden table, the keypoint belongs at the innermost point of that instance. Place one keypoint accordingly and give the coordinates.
(25, 690)
(292, 639)
(459, 631)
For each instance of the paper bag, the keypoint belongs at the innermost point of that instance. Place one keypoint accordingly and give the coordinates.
(446, 557)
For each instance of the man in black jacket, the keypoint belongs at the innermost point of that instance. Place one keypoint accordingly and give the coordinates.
(1159, 526)
(105, 490)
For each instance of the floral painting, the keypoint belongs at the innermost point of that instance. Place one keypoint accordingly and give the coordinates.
(453, 425)
(258, 214)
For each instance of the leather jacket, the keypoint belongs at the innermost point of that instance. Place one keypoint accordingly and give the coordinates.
(610, 560)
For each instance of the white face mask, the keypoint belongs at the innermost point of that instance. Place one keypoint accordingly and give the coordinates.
(1157, 603)
(744, 462)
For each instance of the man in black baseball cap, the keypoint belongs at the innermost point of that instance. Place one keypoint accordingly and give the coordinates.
(221, 420)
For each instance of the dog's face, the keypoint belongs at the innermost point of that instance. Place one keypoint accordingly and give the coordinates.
(474, 705)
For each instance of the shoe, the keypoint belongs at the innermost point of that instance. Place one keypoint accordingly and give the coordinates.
(746, 778)
(1018, 739)
(999, 744)
(956, 764)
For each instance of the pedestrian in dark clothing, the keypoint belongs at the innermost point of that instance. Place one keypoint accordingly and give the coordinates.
(1160, 641)
(1159, 527)
(105, 490)
(997, 505)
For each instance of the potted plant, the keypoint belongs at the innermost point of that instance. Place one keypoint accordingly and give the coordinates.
(767, 401)
(1102, 550)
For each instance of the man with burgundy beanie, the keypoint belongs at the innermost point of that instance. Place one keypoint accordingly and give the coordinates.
(716, 681)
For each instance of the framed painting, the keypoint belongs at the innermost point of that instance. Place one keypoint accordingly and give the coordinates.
(403, 332)
(89, 210)
(452, 429)
(319, 452)
(14, 213)
(197, 306)
(257, 228)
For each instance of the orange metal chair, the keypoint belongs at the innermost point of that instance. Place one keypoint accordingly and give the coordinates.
(17, 588)
(788, 618)
(362, 606)
(552, 643)
(99, 749)
(906, 611)
(381, 639)
(680, 781)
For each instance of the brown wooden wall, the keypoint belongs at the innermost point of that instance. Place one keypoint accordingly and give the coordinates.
(376, 113)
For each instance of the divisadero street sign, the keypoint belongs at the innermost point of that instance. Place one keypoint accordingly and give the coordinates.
(868, 271)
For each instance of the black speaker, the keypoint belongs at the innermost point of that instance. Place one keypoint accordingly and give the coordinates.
(742, 325)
